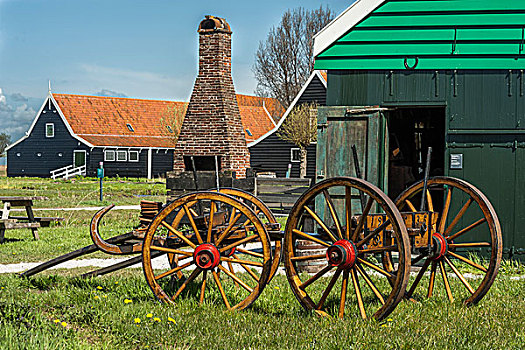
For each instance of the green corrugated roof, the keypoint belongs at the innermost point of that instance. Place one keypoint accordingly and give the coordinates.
(437, 34)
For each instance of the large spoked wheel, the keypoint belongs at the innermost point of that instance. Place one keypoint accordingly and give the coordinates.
(203, 235)
(467, 244)
(267, 218)
(332, 215)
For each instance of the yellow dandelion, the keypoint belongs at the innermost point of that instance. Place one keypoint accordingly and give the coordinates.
(383, 325)
(171, 320)
(127, 301)
(56, 321)
(137, 320)
(64, 324)
(116, 282)
(390, 320)
(149, 315)
(96, 297)
(104, 296)
(276, 287)
(99, 287)
(156, 319)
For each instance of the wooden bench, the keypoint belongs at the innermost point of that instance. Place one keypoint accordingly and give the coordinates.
(280, 194)
(44, 221)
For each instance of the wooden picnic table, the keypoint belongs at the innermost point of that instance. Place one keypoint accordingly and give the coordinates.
(8, 222)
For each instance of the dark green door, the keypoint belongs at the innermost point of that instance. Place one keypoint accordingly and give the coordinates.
(79, 158)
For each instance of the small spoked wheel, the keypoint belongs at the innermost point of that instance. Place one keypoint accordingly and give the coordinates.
(217, 248)
(267, 218)
(357, 224)
(466, 244)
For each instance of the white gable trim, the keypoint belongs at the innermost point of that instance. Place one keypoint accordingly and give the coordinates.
(343, 23)
(49, 99)
(269, 115)
(315, 73)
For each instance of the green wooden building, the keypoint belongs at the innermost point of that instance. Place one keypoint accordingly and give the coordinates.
(404, 75)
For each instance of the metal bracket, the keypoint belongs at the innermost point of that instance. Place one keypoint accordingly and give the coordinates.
(454, 44)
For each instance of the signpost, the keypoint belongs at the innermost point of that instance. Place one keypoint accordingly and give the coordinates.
(100, 175)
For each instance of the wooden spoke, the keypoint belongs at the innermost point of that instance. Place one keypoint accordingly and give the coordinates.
(308, 257)
(344, 289)
(210, 221)
(333, 213)
(250, 272)
(194, 274)
(444, 213)
(230, 266)
(321, 223)
(239, 242)
(311, 238)
(192, 222)
(373, 233)
(348, 212)
(432, 279)
(203, 286)
(235, 278)
(221, 290)
(429, 201)
(226, 231)
(358, 293)
(174, 270)
(460, 276)
(417, 259)
(249, 252)
(371, 284)
(329, 288)
(170, 250)
(388, 248)
(315, 277)
(456, 219)
(418, 278)
(410, 205)
(376, 268)
(469, 245)
(445, 281)
(178, 234)
(467, 261)
(362, 219)
(256, 212)
(466, 229)
(245, 262)
(232, 214)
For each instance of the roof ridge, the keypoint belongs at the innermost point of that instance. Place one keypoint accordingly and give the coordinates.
(111, 97)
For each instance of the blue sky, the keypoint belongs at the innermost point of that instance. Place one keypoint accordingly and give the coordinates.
(142, 49)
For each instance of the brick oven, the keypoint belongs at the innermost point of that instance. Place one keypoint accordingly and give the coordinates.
(212, 131)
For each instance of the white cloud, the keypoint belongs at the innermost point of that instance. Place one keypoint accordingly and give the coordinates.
(15, 118)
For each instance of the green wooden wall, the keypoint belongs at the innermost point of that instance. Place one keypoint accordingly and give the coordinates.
(440, 34)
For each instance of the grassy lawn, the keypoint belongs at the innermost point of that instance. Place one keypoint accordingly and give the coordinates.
(58, 310)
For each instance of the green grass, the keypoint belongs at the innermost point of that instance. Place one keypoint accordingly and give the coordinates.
(100, 319)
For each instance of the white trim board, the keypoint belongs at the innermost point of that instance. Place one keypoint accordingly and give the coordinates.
(51, 99)
(343, 23)
(315, 73)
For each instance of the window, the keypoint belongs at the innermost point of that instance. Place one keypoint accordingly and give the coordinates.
(170, 129)
(50, 130)
(249, 132)
(122, 156)
(295, 155)
(133, 156)
(109, 156)
(130, 128)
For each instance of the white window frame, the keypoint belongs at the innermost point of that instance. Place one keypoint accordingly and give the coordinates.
(52, 129)
(107, 152)
(121, 152)
(135, 152)
(291, 155)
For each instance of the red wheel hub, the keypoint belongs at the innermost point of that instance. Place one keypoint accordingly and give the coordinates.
(206, 256)
(440, 246)
(342, 254)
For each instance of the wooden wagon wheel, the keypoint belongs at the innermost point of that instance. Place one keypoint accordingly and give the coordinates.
(467, 238)
(260, 209)
(330, 214)
(203, 231)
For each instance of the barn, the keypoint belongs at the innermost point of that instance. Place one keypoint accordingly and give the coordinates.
(270, 153)
(406, 75)
(132, 137)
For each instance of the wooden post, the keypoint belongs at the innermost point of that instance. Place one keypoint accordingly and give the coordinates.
(31, 218)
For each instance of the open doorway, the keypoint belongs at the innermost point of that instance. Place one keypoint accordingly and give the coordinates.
(411, 131)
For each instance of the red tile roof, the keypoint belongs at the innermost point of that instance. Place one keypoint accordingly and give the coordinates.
(102, 121)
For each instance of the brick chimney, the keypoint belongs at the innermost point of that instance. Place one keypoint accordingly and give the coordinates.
(212, 125)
